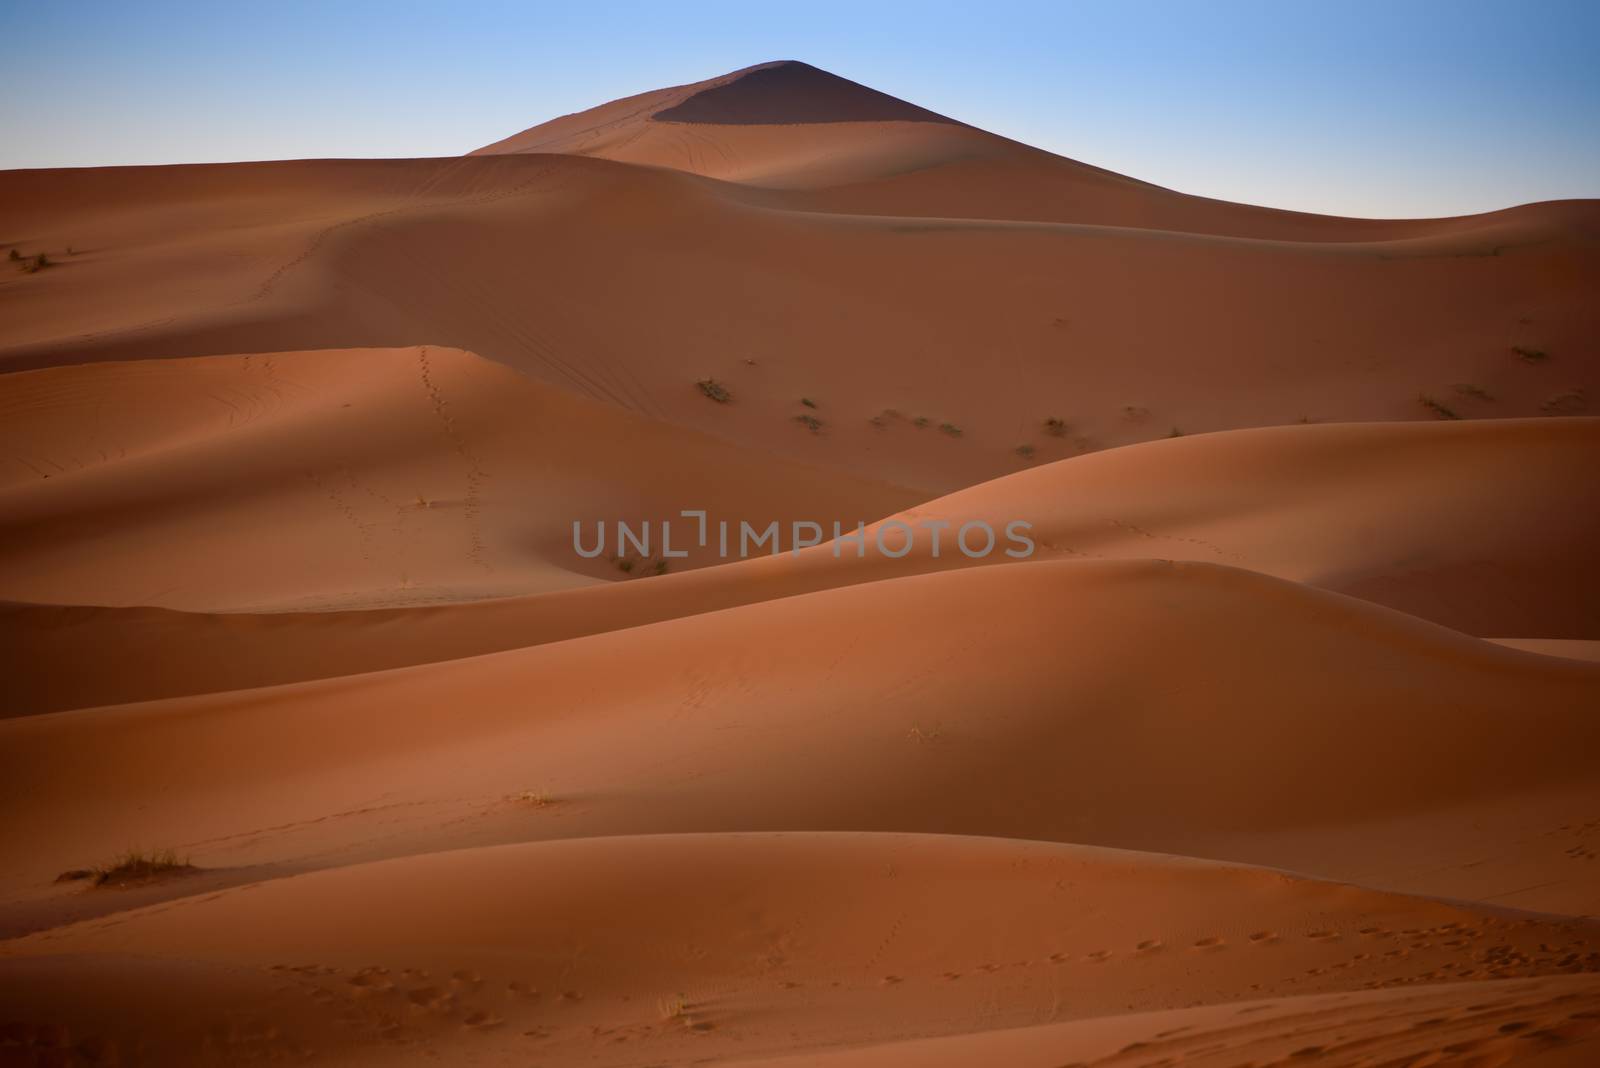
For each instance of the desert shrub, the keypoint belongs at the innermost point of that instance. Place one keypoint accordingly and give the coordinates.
(1569, 402)
(715, 390)
(134, 866)
(1437, 407)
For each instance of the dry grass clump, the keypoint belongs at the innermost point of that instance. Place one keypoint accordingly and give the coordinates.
(132, 868)
(715, 390)
(1437, 407)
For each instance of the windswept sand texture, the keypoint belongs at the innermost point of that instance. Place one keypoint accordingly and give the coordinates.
(1281, 748)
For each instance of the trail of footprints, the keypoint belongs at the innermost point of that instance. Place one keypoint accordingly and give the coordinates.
(413, 1005)
(391, 1003)
(471, 500)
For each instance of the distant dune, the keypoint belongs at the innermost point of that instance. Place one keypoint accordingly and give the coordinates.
(320, 742)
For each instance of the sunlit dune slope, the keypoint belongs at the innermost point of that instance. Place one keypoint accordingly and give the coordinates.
(349, 479)
(1177, 707)
(934, 349)
(1485, 527)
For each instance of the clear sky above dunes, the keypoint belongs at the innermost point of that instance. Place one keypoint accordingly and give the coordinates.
(1397, 108)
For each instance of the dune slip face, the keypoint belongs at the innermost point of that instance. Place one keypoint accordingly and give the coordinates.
(325, 737)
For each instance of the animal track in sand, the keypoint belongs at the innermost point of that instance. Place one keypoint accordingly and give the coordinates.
(1262, 938)
(1212, 943)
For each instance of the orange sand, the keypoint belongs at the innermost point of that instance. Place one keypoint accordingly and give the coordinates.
(1279, 749)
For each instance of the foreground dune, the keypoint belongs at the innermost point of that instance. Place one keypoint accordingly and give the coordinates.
(1548, 1022)
(674, 949)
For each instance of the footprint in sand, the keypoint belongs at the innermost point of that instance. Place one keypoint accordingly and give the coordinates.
(371, 981)
(1262, 938)
(1211, 943)
(432, 999)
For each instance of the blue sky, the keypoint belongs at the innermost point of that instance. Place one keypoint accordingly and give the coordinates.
(1396, 108)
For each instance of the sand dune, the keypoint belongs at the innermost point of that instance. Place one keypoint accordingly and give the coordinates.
(1302, 503)
(629, 284)
(349, 479)
(839, 146)
(672, 947)
(1543, 1022)
(1286, 724)
(1279, 749)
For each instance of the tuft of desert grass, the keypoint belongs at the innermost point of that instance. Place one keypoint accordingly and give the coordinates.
(131, 867)
(1437, 407)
